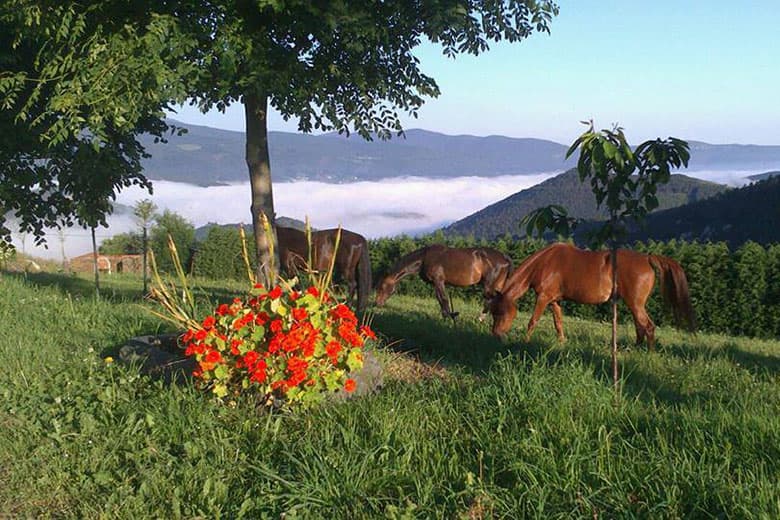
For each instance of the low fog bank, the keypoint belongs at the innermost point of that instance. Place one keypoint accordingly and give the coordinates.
(411, 205)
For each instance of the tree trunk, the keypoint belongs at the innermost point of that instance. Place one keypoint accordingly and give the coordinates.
(258, 161)
(614, 298)
(95, 264)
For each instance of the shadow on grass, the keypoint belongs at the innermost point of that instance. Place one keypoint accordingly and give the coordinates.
(81, 287)
(473, 350)
(761, 365)
(438, 341)
(116, 289)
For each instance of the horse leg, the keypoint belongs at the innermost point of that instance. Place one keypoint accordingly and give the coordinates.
(541, 304)
(487, 296)
(558, 320)
(441, 295)
(645, 328)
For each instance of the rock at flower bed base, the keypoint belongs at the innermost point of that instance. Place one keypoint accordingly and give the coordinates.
(158, 356)
(162, 357)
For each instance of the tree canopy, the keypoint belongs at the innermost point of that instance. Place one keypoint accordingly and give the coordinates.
(93, 71)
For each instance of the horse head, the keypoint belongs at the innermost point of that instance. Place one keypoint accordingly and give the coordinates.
(384, 289)
(504, 311)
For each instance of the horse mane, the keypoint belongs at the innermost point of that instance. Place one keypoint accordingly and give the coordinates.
(521, 274)
(399, 268)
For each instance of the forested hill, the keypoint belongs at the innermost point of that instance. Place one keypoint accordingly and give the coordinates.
(207, 156)
(735, 216)
(567, 190)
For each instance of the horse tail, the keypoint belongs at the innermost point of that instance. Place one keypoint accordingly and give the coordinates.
(675, 291)
(364, 277)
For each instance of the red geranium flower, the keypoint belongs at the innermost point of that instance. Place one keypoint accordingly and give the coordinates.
(350, 385)
(313, 291)
(213, 357)
(250, 358)
(276, 326)
(275, 293)
(299, 314)
(208, 322)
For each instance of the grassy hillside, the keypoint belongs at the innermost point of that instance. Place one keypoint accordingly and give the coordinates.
(735, 216)
(567, 190)
(465, 427)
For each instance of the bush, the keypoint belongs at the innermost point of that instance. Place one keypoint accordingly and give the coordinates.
(219, 255)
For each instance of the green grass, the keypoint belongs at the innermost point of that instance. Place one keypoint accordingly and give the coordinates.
(514, 430)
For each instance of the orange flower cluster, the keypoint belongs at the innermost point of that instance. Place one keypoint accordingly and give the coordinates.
(292, 345)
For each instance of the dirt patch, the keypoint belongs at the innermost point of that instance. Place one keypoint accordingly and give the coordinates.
(408, 368)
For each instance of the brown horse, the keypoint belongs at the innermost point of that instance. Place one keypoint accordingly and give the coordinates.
(563, 272)
(459, 266)
(352, 263)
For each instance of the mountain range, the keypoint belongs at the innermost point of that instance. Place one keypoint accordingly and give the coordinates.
(207, 156)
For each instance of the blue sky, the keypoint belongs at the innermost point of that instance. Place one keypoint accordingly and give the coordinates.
(699, 70)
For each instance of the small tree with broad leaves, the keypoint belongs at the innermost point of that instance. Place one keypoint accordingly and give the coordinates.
(625, 181)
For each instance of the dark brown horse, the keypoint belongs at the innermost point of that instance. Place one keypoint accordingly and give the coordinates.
(563, 272)
(352, 264)
(459, 266)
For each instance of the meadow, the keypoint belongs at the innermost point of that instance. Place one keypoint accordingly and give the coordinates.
(465, 426)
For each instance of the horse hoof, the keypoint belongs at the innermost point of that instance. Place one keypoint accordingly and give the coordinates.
(454, 315)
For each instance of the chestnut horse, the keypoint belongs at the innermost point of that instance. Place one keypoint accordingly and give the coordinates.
(352, 264)
(564, 272)
(459, 266)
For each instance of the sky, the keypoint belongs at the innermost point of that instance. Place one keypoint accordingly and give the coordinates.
(698, 70)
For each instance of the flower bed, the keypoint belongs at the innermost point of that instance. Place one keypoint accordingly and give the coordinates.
(289, 346)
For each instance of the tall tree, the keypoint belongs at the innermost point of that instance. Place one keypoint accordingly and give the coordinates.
(344, 65)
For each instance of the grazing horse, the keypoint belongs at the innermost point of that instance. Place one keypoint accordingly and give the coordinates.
(352, 263)
(440, 265)
(564, 272)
